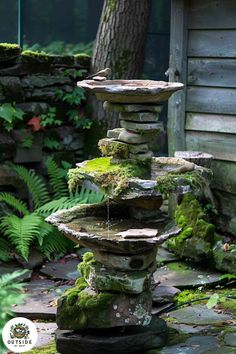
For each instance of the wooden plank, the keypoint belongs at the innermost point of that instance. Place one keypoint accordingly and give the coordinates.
(221, 146)
(212, 14)
(211, 100)
(224, 176)
(212, 43)
(212, 72)
(211, 123)
(177, 73)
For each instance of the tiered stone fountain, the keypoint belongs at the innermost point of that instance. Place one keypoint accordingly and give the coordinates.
(109, 309)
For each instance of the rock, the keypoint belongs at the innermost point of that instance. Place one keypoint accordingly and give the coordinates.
(163, 294)
(24, 155)
(35, 259)
(146, 214)
(142, 156)
(165, 256)
(136, 262)
(114, 341)
(143, 117)
(162, 166)
(112, 107)
(59, 270)
(144, 205)
(9, 52)
(7, 146)
(139, 233)
(10, 179)
(114, 133)
(198, 158)
(230, 339)
(116, 149)
(224, 261)
(46, 333)
(141, 127)
(33, 108)
(31, 81)
(138, 148)
(12, 89)
(183, 274)
(199, 315)
(142, 183)
(77, 309)
(132, 138)
(103, 279)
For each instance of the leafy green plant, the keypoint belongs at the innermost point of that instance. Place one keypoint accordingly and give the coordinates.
(51, 143)
(75, 97)
(74, 73)
(62, 48)
(25, 228)
(78, 120)
(10, 115)
(27, 142)
(10, 294)
(50, 119)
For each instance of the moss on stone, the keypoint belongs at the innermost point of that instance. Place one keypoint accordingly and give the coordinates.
(111, 177)
(190, 295)
(9, 51)
(197, 236)
(37, 57)
(174, 337)
(115, 149)
(87, 265)
(82, 59)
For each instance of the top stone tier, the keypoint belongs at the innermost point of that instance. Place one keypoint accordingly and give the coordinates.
(131, 91)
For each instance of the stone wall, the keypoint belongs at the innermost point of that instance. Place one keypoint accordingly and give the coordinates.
(31, 82)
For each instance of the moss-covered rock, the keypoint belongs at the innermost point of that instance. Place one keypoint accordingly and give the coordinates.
(117, 149)
(225, 259)
(197, 236)
(29, 56)
(113, 178)
(82, 59)
(78, 310)
(9, 52)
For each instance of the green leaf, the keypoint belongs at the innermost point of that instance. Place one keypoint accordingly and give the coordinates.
(14, 203)
(213, 301)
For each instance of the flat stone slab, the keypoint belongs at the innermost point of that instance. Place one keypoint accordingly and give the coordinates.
(139, 117)
(46, 333)
(163, 294)
(139, 233)
(165, 256)
(183, 274)
(41, 300)
(139, 127)
(111, 107)
(230, 339)
(114, 341)
(199, 315)
(132, 138)
(131, 91)
(65, 271)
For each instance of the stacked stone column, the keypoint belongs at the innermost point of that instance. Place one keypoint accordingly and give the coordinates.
(139, 123)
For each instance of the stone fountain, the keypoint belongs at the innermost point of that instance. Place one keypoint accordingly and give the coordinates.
(110, 308)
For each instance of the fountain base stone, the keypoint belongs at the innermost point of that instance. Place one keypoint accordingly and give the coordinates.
(134, 339)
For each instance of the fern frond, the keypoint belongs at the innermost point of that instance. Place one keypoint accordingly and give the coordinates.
(35, 184)
(21, 231)
(5, 250)
(45, 229)
(10, 280)
(55, 243)
(56, 179)
(84, 196)
(14, 203)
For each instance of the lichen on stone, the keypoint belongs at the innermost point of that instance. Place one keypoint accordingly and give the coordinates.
(37, 57)
(82, 59)
(115, 149)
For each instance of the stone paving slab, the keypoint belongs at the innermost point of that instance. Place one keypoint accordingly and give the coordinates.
(46, 332)
(65, 271)
(41, 300)
(185, 275)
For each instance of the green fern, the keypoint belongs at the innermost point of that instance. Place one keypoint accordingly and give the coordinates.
(35, 184)
(56, 179)
(84, 196)
(5, 250)
(21, 232)
(55, 243)
(14, 203)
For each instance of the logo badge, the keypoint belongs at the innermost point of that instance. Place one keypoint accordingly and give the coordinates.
(19, 335)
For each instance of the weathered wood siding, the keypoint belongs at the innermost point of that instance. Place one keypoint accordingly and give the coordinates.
(209, 111)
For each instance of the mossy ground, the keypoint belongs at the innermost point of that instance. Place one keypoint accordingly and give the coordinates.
(111, 177)
(30, 56)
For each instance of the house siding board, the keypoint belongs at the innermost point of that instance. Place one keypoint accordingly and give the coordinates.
(210, 105)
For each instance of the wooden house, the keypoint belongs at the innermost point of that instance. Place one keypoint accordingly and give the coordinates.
(203, 116)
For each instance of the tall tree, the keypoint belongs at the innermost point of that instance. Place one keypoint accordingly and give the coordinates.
(120, 42)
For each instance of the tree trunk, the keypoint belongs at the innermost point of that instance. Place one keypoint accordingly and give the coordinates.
(120, 44)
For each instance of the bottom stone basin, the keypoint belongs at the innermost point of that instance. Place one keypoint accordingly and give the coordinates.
(102, 226)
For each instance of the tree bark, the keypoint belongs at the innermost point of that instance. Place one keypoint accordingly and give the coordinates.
(120, 44)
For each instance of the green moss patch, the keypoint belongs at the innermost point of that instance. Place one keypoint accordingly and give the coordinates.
(82, 59)
(9, 51)
(111, 177)
(87, 265)
(37, 57)
(48, 349)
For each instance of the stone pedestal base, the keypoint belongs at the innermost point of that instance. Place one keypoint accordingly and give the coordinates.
(113, 341)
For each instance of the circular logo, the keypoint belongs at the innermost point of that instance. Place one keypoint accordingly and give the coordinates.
(19, 335)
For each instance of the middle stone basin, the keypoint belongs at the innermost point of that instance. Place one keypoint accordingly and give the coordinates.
(100, 226)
